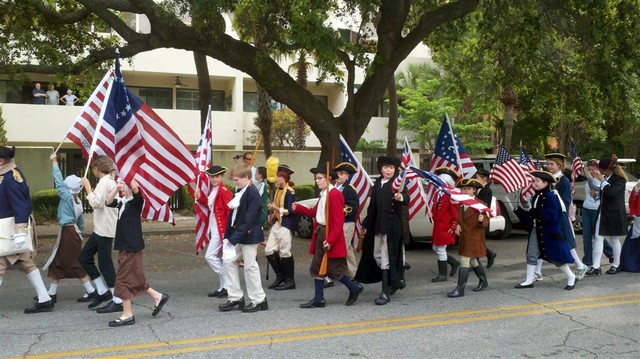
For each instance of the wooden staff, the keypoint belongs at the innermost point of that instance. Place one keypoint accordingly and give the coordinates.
(325, 257)
(255, 149)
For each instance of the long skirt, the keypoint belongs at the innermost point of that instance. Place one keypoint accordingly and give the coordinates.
(630, 255)
(65, 263)
(336, 267)
(130, 279)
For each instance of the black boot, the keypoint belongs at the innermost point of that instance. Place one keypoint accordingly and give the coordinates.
(384, 297)
(491, 257)
(288, 272)
(463, 276)
(442, 272)
(275, 262)
(479, 271)
(454, 265)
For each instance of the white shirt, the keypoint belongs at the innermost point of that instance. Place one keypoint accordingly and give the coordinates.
(104, 218)
(320, 210)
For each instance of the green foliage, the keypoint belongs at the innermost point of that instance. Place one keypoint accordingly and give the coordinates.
(3, 131)
(45, 204)
(188, 201)
(369, 146)
(283, 130)
(305, 191)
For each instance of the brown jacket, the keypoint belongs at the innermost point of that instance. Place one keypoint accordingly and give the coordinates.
(472, 237)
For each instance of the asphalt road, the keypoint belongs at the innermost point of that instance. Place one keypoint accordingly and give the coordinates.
(600, 318)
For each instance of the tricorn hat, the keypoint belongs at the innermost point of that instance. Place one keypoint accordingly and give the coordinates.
(216, 170)
(285, 169)
(323, 170)
(483, 172)
(386, 160)
(557, 155)
(7, 152)
(449, 171)
(607, 163)
(470, 182)
(544, 175)
(346, 166)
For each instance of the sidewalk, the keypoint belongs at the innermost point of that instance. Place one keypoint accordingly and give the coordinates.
(184, 225)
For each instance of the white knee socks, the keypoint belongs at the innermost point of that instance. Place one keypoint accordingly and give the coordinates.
(571, 278)
(36, 281)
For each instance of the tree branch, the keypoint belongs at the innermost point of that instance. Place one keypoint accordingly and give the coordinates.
(55, 17)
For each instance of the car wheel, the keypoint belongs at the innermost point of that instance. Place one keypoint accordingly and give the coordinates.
(577, 224)
(304, 227)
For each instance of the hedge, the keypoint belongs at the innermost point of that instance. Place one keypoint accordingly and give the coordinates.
(45, 204)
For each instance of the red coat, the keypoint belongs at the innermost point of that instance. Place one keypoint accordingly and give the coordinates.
(634, 203)
(220, 209)
(336, 222)
(445, 220)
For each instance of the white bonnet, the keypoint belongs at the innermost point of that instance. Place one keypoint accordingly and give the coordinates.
(73, 182)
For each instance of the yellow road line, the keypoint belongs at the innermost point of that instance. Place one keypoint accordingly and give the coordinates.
(369, 329)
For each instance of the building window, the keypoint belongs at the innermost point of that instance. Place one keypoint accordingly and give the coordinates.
(249, 102)
(190, 100)
(154, 97)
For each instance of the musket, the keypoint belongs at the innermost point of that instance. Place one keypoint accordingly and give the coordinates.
(325, 258)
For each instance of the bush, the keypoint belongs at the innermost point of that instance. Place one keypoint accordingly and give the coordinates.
(45, 205)
(305, 191)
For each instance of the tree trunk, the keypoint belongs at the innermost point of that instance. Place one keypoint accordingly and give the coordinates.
(300, 138)
(204, 86)
(509, 100)
(265, 118)
(392, 136)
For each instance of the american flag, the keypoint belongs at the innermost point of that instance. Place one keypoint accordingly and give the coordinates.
(576, 165)
(414, 186)
(446, 152)
(508, 173)
(527, 165)
(360, 180)
(143, 146)
(454, 193)
(203, 161)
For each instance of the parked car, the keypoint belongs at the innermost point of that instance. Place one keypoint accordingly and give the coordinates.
(421, 228)
(507, 202)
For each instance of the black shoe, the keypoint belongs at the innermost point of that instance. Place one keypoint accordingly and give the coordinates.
(613, 270)
(353, 296)
(220, 293)
(569, 287)
(40, 307)
(122, 322)
(286, 285)
(54, 298)
(610, 259)
(89, 298)
(593, 272)
(111, 307)
(252, 308)
(491, 259)
(407, 266)
(163, 300)
(101, 298)
(520, 286)
(228, 306)
(313, 303)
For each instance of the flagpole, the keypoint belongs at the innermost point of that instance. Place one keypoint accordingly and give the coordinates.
(455, 145)
(103, 108)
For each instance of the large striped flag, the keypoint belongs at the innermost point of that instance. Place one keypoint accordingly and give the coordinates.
(201, 209)
(116, 123)
(455, 193)
(527, 165)
(448, 152)
(413, 185)
(359, 180)
(508, 173)
(576, 165)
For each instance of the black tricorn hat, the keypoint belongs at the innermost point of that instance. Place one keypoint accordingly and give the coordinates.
(286, 169)
(607, 163)
(448, 170)
(557, 155)
(386, 160)
(323, 170)
(7, 152)
(470, 182)
(346, 166)
(483, 172)
(216, 170)
(544, 175)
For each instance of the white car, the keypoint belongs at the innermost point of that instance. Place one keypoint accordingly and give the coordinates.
(421, 227)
